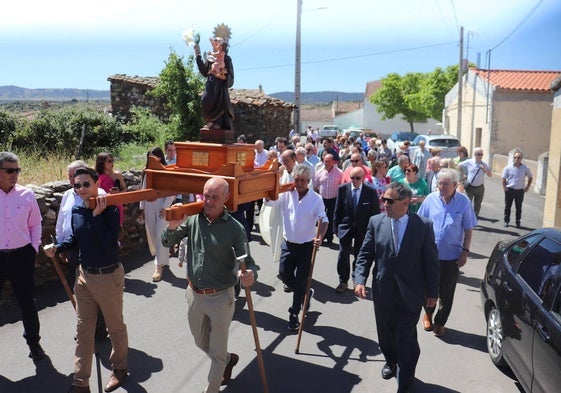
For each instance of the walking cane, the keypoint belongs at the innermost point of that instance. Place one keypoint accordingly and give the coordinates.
(60, 274)
(307, 294)
(241, 259)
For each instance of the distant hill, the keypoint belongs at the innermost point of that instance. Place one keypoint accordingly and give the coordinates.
(319, 97)
(15, 93)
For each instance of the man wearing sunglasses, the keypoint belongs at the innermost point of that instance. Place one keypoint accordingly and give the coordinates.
(20, 237)
(355, 204)
(99, 283)
(404, 278)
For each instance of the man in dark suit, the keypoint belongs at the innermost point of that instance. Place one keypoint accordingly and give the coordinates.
(405, 277)
(355, 204)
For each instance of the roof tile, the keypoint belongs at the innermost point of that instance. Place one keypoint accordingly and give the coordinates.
(538, 81)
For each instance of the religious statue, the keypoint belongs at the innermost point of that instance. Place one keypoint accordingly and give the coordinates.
(218, 70)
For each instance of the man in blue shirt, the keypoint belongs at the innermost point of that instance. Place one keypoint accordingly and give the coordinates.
(453, 221)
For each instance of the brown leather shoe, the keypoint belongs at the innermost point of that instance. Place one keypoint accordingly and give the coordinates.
(439, 331)
(427, 322)
(115, 380)
(228, 370)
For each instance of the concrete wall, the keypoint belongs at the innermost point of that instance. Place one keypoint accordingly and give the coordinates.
(552, 207)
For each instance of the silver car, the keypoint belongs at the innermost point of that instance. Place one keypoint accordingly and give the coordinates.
(447, 144)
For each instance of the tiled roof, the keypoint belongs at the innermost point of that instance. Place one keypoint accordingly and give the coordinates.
(371, 87)
(538, 81)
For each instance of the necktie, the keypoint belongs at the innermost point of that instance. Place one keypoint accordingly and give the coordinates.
(355, 197)
(395, 235)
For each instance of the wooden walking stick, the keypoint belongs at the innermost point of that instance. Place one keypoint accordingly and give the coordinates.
(62, 278)
(241, 259)
(307, 294)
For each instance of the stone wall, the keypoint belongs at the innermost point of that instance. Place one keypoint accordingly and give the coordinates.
(49, 195)
(257, 115)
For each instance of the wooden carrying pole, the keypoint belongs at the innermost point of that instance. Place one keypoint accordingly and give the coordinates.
(307, 293)
(254, 328)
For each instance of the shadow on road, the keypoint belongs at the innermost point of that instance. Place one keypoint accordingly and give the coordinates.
(45, 375)
(468, 340)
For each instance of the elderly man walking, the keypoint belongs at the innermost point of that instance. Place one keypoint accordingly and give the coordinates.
(514, 177)
(326, 184)
(356, 203)
(214, 241)
(453, 221)
(20, 237)
(475, 170)
(301, 210)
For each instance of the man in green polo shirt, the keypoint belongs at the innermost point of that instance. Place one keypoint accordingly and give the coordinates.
(214, 241)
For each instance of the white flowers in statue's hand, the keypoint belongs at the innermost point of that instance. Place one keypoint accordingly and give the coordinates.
(190, 37)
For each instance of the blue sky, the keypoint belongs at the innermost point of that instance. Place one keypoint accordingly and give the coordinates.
(345, 44)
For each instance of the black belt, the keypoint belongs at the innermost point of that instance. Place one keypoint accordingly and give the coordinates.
(11, 250)
(101, 270)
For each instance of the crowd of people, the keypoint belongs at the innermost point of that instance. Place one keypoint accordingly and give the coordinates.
(407, 221)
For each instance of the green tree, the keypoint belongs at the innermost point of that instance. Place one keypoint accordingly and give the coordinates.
(415, 96)
(394, 96)
(181, 85)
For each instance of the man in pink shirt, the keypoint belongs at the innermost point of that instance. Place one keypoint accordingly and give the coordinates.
(20, 237)
(326, 184)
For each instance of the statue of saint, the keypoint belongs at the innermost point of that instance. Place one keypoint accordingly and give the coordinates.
(218, 70)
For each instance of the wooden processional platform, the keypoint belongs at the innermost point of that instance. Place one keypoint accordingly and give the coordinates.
(198, 162)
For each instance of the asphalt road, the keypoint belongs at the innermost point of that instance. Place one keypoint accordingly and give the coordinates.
(338, 353)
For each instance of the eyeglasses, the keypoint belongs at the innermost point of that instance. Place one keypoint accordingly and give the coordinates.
(390, 201)
(478, 154)
(11, 171)
(356, 177)
(85, 184)
(355, 160)
(517, 158)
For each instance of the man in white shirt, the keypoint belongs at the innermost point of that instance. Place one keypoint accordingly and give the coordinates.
(514, 179)
(261, 155)
(301, 209)
(475, 170)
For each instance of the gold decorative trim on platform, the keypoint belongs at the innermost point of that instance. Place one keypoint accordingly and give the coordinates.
(200, 158)
(240, 158)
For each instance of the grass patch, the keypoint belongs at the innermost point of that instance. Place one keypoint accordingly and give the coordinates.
(38, 168)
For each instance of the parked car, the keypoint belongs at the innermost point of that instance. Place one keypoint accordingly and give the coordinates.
(447, 144)
(521, 298)
(398, 137)
(355, 132)
(329, 131)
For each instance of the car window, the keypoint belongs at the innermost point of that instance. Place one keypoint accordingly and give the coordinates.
(538, 268)
(444, 143)
(556, 309)
(518, 249)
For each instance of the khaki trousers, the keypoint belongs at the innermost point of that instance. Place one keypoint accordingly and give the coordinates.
(96, 292)
(209, 320)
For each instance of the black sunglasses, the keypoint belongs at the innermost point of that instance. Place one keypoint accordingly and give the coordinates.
(390, 201)
(356, 177)
(85, 184)
(11, 171)
(355, 160)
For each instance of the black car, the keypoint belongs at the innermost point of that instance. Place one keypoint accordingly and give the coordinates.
(521, 298)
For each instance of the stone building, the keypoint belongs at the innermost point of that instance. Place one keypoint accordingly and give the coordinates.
(257, 115)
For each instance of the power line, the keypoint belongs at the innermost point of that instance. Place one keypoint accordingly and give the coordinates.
(518, 26)
(352, 57)
(455, 16)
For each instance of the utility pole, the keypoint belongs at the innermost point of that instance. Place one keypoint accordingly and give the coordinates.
(460, 87)
(297, 96)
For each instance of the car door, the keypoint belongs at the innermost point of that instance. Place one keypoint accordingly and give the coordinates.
(546, 357)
